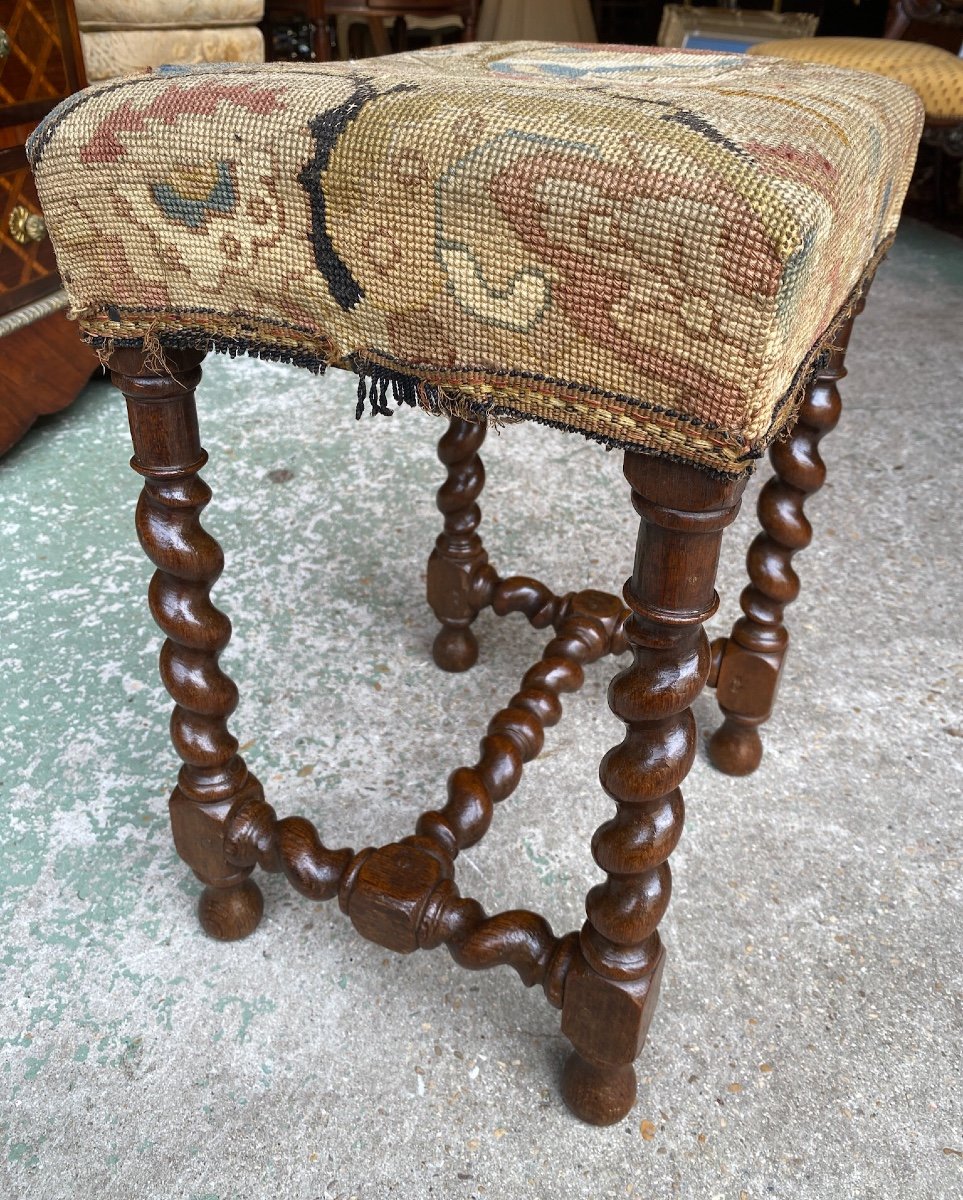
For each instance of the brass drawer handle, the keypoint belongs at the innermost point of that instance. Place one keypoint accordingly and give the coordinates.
(26, 226)
(4, 44)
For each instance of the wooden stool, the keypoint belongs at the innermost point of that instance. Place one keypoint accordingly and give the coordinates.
(662, 251)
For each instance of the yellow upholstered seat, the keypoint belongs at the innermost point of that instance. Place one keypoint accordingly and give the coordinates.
(935, 74)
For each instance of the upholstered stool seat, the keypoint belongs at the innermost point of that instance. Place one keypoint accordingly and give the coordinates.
(662, 251)
(645, 247)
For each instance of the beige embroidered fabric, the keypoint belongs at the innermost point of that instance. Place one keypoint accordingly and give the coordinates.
(648, 247)
(166, 14)
(110, 53)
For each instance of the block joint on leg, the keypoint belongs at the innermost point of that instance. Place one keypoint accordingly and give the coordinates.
(213, 777)
(748, 664)
(612, 987)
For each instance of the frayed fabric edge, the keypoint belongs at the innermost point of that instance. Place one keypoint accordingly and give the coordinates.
(380, 385)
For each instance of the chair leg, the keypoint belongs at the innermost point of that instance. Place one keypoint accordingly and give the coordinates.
(455, 567)
(612, 986)
(747, 665)
(214, 777)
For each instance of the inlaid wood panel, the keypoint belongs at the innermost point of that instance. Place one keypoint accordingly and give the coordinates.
(27, 271)
(41, 65)
(44, 364)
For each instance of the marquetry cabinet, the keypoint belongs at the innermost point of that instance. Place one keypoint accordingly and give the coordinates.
(43, 365)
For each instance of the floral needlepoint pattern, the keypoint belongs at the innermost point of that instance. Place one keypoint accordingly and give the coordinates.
(192, 194)
(650, 247)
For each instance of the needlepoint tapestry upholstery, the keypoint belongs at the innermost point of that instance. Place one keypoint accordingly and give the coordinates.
(648, 247)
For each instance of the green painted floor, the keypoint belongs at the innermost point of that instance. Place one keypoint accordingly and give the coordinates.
(808, 1040)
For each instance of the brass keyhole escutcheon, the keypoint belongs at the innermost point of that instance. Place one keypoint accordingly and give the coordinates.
(26, 226)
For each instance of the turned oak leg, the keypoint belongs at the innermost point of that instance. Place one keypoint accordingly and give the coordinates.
(747, 664)
(456, 563)
(213, 778)
(612, 986)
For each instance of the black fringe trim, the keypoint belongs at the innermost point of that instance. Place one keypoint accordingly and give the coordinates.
(376, 381)
(250, 342)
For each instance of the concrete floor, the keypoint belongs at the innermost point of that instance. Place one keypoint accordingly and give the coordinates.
(808, 1042)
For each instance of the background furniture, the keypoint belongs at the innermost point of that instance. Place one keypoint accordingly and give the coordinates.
(735, 29)
(43, 368)
(638, 21)
(537, 20)
(937, 22)
(121, 37)
(296, 30)
(497, 20)
(457, 18)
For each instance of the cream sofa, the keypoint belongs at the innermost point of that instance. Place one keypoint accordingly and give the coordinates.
(121, 37)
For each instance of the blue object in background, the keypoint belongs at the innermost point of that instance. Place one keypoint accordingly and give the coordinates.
(699, 41)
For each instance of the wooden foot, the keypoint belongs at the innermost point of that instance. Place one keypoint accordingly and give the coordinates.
(612, 986)
(736, 747)
(598, 1095)
(459, 579)
(747, 665)
(454, 649)
(229, 914)
(214, 778)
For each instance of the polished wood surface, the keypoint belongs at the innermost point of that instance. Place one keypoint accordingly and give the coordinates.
(214, 777)
(404, 896)
(43, 366)
(43, 65)
(747, 665)
(28, 269)
(613, 986)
